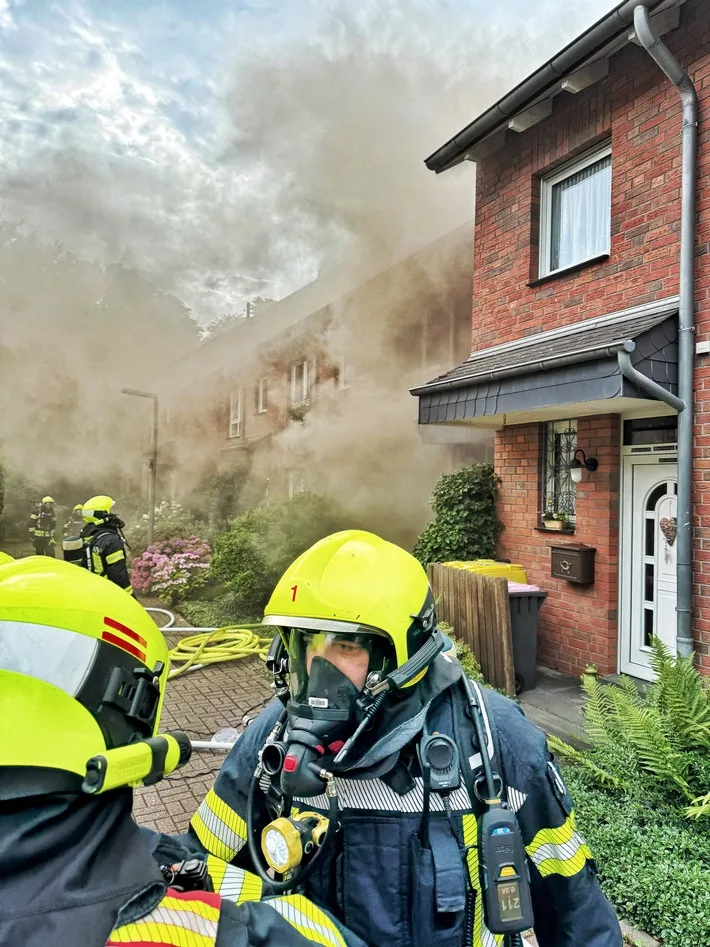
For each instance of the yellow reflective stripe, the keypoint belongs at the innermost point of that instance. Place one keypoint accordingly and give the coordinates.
(560, 851)
(308, 920)
(219, 828)
(115, 557)
(232, 883)
(174, 921)
(482, 937)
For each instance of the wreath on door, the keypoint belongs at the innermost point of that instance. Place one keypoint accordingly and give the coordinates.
(669, 528)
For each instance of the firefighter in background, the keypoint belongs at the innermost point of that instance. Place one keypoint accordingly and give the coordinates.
(75, 523)
(73, 544)
(83, 670)
(41, 527)
(104, 545)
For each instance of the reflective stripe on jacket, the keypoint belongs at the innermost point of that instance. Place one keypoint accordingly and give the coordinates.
(205, 919)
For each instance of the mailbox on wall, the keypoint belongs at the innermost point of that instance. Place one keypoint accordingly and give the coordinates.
(573, 562)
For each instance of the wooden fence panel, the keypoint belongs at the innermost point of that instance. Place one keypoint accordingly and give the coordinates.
(478, 607)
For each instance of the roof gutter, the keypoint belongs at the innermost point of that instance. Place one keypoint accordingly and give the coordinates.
(670, 66)
(570, 58)
(525, 368)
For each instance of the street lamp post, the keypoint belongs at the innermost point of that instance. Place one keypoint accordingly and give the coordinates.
(153, 459)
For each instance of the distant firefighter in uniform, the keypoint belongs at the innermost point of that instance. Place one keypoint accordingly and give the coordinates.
(104, 542)
(41, 527)
(75, 523)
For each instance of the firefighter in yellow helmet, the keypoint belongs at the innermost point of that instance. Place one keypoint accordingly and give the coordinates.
(415, 805)
(104, 545)
(41, 527)
(83, 670)
(75, 523)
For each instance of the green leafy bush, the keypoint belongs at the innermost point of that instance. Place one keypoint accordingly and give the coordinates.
(172, 521)
(653, 863)
(465, 525)
(653, 745)
(250, 558)
(215, 613)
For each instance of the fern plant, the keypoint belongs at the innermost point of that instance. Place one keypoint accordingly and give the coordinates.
(654, 744)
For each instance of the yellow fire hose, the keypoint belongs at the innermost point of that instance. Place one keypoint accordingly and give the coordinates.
(215, 647)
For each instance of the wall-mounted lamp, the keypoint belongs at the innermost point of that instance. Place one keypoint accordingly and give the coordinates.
(576, 466)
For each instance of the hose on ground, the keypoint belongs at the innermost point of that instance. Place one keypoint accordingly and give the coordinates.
(206, 646)
(215, 647)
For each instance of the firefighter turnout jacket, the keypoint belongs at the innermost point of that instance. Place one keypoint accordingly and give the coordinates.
(105, 553)
(77, 871)
(379, 879)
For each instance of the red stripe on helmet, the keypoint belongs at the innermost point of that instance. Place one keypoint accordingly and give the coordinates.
(125, 630)
(124, 645)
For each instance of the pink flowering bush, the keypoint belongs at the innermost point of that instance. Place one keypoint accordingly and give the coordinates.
(173, 569)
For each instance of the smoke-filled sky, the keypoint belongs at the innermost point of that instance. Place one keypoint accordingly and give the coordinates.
(233, 148)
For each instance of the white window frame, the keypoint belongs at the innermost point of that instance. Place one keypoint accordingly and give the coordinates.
(296, 483)
(235, 412)
(304, 395)
(342, 381)
(546, 187)
(262, 396)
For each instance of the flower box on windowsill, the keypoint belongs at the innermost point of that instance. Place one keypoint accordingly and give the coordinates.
(566, 529)
(555, 524)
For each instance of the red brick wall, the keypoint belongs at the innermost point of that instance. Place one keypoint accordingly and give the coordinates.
(639, 111)
(577, 624)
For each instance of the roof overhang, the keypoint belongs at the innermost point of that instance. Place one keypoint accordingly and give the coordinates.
(573, 370)
(581, 63)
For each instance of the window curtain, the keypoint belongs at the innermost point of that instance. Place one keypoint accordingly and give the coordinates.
(581, 215)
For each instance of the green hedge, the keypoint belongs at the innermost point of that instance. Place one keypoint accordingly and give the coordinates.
(654, 864)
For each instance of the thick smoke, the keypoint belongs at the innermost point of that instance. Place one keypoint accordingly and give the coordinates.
(316, 160)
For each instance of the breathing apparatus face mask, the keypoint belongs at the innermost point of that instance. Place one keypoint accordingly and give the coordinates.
(328, 672)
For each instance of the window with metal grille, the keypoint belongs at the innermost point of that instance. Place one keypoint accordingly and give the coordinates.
(559, 442)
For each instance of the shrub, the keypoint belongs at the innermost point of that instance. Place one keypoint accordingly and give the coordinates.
(653, 745)
(172, 521)
(465, 525)
(174, 570)
(251, 557)
(216, 613)
(653, 864)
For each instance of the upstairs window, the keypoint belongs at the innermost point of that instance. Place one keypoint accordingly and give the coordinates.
(575, 212)
(296, 483)
(262, 396)
(341, 375)
(301, 374)
(559, 497)
(235, 413)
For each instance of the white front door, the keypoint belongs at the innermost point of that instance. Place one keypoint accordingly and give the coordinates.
(648, 560)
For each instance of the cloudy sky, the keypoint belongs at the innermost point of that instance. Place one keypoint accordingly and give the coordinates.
(230, 148)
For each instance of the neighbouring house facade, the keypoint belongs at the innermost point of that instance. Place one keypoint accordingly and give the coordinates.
(578, 177)
(310, 393)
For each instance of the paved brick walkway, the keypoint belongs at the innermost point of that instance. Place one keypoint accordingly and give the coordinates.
(200, 702)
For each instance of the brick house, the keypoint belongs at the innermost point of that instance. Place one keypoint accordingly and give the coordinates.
(311, 392)
(576, 276)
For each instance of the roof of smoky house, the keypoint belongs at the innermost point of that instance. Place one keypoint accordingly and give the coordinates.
(581, 63)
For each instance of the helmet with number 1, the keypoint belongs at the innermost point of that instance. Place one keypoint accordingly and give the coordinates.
(359, 596)
(82, 670)
(97, 509)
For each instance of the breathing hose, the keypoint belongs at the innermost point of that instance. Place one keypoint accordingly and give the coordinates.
(206, 646)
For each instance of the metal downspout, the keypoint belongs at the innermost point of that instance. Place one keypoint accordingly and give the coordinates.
(670, 66)
(645, 383)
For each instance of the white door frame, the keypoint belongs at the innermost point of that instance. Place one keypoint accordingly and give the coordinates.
(657, 456)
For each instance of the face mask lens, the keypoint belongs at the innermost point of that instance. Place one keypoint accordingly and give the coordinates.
(353, 655)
